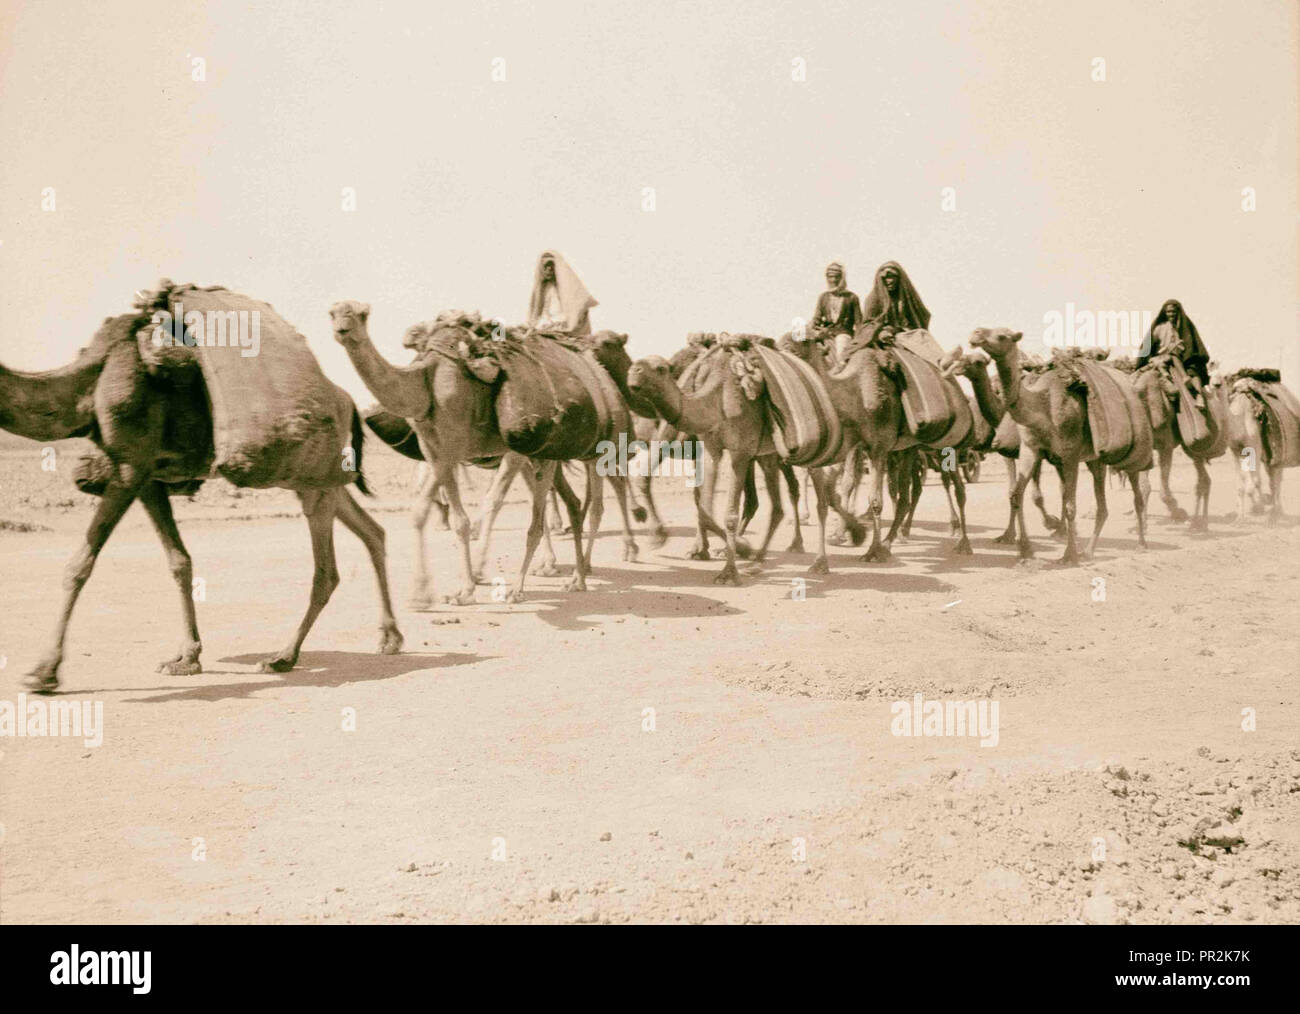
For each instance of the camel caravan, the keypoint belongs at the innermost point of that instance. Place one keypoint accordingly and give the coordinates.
(862, 393)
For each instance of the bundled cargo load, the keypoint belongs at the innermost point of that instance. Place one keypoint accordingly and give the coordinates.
(276, 419)
(1278, 413)
(1117, 419)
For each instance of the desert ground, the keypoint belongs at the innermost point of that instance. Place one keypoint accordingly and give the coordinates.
(506, 767)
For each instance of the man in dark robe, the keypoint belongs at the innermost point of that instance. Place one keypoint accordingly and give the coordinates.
(894, 302)
(1173, 333)
(837, 311)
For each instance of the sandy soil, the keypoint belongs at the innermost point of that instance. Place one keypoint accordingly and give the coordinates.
(502, 769)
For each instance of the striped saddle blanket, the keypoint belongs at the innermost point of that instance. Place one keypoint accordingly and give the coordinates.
(929, 409)
(804, 424)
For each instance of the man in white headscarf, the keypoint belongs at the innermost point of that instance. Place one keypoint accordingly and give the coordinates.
(560, 302)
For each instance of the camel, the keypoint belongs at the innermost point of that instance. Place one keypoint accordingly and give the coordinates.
(154, 434)
(724, 418)
(1249, 447)
(1052, 418)
(1158, 394)
(1004, 439)
(454, 419)
(865, 392)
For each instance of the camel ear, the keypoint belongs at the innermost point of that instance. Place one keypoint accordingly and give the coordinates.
(1017, 335)
(365, 311)
(622, 338)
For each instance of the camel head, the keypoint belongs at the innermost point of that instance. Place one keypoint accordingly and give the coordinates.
(650, 377)
(415, 336)
(998, 342)
(349, 321)
(951, 362)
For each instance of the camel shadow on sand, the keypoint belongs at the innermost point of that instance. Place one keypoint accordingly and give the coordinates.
(314, 669)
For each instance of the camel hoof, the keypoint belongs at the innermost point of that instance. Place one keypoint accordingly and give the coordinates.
(1177, 514)
(179, 667)
(820, 566)
(838, 538)
(515, 596)
(658, 537)
(796, 547)
(1198, 525)
(420, 603)
(639, 514)
(954, 529)
(743, 549)
(728, 575)
(44, 679)
(577, 583)
(963, 548)
(464, 597)
(547, 569)
(631, 552)
(1005, 539)
(445, 526)
(1069, 560)
(699, 554)
(1027, 562)
(390, 640)
(280, 663)
(877, 554)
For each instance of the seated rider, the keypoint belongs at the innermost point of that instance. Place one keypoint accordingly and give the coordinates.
(1173, 333)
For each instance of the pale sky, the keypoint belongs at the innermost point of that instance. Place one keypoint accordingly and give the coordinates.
(1111, 195)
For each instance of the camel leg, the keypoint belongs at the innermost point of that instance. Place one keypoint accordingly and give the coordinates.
(371, 533)
(878, 552)
(1053, 524)
(749, 502)
(44, 678)
(915, 476)
(740, 464)
(1166, 455)
(1069, 511)
(623, 494)
(798, 508)
(544, 471)
(510, 466)
(704, 495)
(802, 499)
(186, 661)
(320, 506)
(772, 479)
(1009, 536)
(445, 475)
(595, 511)
(658, 531)
(825, 489)
(1027, 465)
(959, 493)
(1141, 490)
(1275, 512)
(1201, 511)
(422, 590)
(1098, 471)
(574, 506)
(954, 523)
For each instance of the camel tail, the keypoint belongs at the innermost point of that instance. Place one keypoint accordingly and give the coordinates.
(358, 442)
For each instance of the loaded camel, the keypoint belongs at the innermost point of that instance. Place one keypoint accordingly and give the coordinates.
(454, 418)
(1052, 418)
(723, 417)
(154, 430)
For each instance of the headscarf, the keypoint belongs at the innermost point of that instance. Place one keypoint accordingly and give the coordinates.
(1193, 348)
(905, 311)
(844, 281)
(575, 300)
